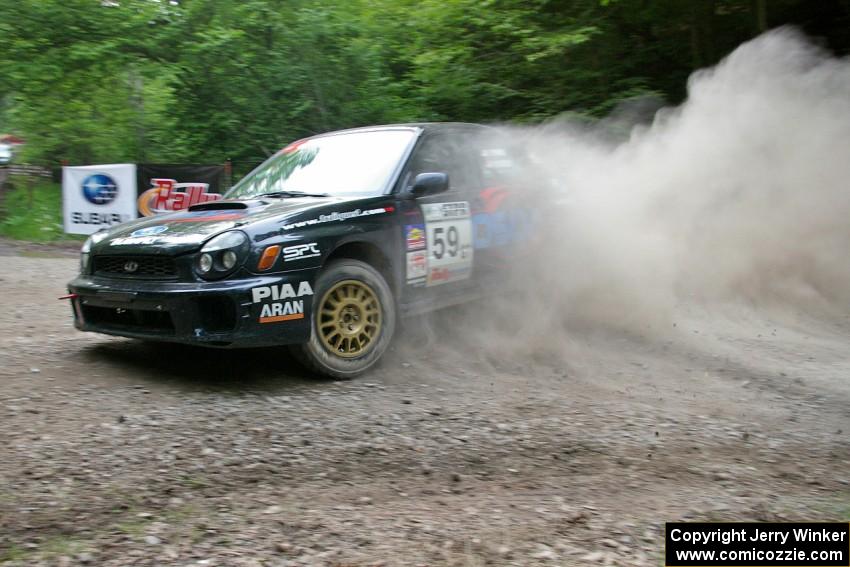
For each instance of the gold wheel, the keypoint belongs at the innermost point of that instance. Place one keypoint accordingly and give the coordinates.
(349, 319)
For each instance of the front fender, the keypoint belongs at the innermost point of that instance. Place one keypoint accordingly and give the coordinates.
(310, 248)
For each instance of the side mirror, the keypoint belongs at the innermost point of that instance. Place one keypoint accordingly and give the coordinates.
(429, 184)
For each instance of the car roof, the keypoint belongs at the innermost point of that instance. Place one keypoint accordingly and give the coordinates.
(421, 126)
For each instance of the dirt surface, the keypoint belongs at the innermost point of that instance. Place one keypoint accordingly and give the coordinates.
(573, 450)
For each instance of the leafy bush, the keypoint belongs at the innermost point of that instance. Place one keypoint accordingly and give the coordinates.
(32, 210)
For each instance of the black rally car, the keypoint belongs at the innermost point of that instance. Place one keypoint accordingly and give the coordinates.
(321, 247)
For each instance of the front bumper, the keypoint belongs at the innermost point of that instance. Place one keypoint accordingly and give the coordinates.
(216, 314)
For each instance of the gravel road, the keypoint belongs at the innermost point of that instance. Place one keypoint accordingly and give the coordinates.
(458, 450)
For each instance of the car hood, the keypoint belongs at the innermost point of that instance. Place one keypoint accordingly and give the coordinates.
(185, 231)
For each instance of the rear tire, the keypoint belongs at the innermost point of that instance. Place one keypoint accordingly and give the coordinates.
(352, 321)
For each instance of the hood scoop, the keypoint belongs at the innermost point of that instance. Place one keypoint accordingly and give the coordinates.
(225, 206)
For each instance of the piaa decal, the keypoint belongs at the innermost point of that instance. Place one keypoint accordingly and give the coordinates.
(278, 292)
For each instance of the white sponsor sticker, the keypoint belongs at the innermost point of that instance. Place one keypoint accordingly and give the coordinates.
(301, 252)
(448, 230)
(163, 239)
(282, 311)
(336, 217)
(97, 196)
(417, 266)
(282, 291)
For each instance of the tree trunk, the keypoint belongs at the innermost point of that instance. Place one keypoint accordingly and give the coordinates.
(137, 100)
(760, 12)
(702, 32)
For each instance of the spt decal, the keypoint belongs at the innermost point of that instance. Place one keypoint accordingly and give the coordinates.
(301, 251)
(167, 195)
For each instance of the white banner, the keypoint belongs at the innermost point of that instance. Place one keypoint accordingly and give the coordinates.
(98, 196)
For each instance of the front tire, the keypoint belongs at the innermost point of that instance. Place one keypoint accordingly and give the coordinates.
(352, 320)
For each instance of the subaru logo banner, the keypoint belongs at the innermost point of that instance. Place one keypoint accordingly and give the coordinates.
(98, 196)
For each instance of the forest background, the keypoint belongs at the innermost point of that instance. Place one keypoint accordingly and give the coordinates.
(203, 81)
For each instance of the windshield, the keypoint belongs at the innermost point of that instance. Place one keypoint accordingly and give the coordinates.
(350, 164)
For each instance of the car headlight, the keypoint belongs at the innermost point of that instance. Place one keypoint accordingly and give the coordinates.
(222, 255)
(85, 251)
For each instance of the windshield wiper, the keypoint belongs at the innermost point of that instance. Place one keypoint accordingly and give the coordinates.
(284, 194)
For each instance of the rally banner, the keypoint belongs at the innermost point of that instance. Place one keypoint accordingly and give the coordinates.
(97, 196)
(169, 188)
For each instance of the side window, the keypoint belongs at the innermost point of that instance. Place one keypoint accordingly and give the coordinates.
(445, 153)
(502, 163)
(497, 168)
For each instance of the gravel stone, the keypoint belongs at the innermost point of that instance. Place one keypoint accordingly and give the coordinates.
(150, 454)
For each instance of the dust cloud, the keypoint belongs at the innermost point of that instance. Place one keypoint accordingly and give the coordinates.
(729, 213)
(741, 195)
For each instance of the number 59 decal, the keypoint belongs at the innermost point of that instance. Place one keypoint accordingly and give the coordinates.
(448, 231)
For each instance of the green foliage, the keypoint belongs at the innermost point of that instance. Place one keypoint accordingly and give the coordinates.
(93, 81)
(33, 211)
(254, 75)
(74, 76)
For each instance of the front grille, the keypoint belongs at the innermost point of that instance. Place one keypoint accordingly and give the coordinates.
(149, 267)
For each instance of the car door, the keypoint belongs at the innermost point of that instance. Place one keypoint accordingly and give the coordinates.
(437, 230)
(504, 208)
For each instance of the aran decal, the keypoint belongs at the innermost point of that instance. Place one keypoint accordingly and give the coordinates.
(282, 311)
(280, 303)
